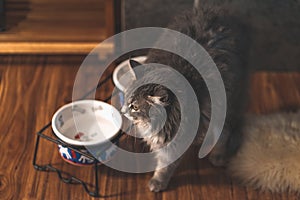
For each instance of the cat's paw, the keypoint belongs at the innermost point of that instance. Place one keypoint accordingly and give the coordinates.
(156, 185)
(217, 159)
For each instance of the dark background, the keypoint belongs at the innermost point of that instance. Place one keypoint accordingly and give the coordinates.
(274, 25)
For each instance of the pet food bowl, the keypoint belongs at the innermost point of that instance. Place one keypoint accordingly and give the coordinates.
(121, 81)
(122, 69)
(87, 124)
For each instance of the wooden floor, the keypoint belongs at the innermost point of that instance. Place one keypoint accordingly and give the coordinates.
(33, 87)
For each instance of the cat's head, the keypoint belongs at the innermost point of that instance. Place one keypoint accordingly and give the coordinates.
(146, 105)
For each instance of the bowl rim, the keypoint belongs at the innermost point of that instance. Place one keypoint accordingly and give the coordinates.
(119, 67)
(78, 142)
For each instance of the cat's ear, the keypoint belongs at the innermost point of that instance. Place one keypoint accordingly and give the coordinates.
(162, 99)
(133, 64)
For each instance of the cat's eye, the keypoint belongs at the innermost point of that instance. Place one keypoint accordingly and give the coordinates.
(134, 107)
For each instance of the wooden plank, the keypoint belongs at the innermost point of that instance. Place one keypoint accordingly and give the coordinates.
(273, 91)
(109, 17)
(56, 38)
(73, 27)
(52, 48)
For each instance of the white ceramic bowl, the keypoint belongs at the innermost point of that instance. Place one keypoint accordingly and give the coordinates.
(86, 123)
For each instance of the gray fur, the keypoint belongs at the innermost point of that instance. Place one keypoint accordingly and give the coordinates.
(225, 39)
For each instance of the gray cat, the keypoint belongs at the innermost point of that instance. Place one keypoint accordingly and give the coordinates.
(225, 39)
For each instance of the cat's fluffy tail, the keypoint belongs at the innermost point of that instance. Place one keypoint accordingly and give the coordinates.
(269, 156)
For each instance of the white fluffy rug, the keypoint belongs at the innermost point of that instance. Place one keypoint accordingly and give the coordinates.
(269, 156)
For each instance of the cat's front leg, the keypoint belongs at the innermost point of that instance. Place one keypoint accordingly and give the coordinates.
(162, 176)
